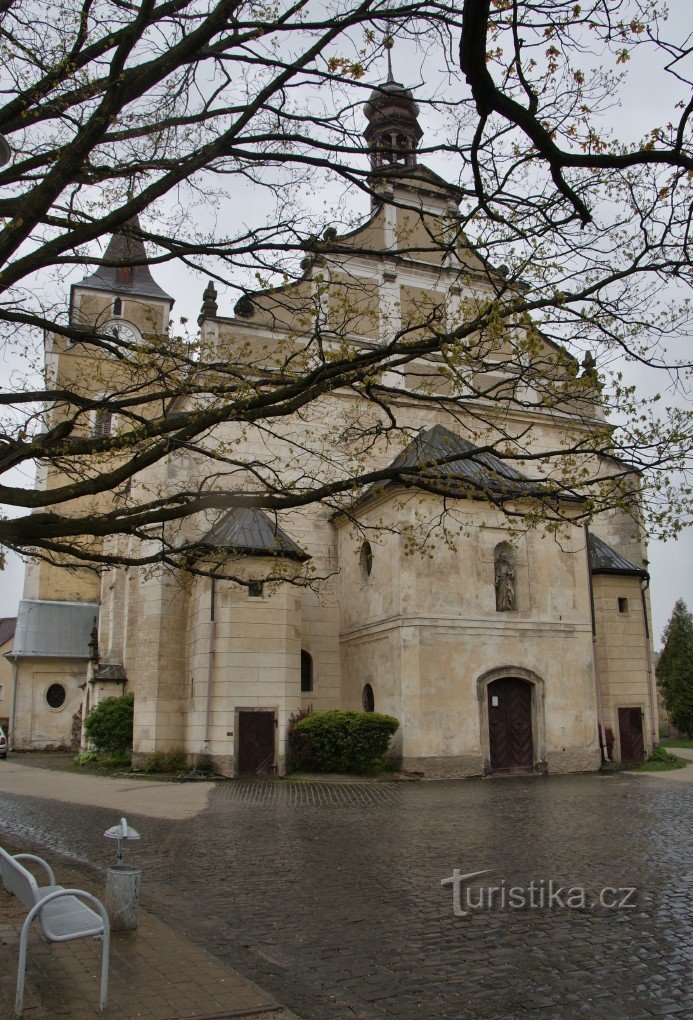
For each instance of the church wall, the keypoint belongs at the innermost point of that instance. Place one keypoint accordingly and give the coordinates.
(423, 630)
(622, 654)
(37, 725)
(354, 304)
(256, 663)
(420, 236)
(96, 307)
(68, 584)
(155, 663)
(6, 685)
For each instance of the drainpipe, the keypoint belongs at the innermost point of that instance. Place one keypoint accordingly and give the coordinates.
(15, 684)
(654, 715)
(601, 727)
(210, 663)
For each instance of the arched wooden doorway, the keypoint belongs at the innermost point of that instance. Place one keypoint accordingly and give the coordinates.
(511, 741)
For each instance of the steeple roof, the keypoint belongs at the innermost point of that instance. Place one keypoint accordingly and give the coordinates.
(248, 532)
(605, 560)
(440, 461)
(127, 272)
(393, 131)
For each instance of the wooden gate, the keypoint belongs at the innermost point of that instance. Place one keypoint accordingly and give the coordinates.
(255, 743)
(630, 732)
(510, 725)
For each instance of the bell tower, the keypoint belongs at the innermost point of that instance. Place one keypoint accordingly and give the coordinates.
(122, 292)
(393, 131)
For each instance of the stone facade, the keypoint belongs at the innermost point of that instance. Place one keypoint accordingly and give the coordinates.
(426, 601)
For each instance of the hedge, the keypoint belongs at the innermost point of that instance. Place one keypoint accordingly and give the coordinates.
(109, 725)
(341, 741)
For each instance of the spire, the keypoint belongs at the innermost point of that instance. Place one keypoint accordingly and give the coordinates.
(123, 268)
(209, 303)
(388, 43)
(393, 132)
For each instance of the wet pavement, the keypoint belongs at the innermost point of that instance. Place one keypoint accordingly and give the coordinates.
(329, 896)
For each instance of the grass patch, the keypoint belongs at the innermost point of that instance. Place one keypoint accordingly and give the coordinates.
(661, 766)
(677, 742)
(661, 760)
(100, 762)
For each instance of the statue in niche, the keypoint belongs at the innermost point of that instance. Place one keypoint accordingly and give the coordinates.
(505, 584)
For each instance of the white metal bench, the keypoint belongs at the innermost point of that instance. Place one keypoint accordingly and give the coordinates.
(63, 913)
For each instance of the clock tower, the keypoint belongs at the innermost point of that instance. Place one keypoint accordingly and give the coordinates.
(58, 614)
(122, 294)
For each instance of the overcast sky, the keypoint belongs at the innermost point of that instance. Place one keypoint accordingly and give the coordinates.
(641, 107)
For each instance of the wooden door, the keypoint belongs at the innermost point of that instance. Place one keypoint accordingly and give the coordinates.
(630, 732)
(255, 743)
(510, 725)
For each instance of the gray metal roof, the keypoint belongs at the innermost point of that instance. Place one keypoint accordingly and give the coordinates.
(54, 630)
(250, 532)
(605, 560)
(125, 248)
(7, 626)
(441, 461)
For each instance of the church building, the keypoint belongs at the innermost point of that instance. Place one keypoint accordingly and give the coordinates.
(500, 642)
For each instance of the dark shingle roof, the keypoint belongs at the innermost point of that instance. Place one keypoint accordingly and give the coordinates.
(248, 532)
(7, 628)
(443, 462)
(605, 560)
(125, 248)
(111, 671)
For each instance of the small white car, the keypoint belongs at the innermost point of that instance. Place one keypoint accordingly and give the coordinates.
(3, 743)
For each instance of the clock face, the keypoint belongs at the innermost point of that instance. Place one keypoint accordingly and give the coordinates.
(123, 331)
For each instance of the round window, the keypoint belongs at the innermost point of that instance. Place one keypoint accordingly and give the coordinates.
(366, 558)
(55, 695)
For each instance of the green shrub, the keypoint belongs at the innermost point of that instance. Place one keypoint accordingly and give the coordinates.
(298, 751)
(86, 757)
(115, 760)
(341, 741)
(659, 753)
(104, 759)
(109, 725)
(168, 762)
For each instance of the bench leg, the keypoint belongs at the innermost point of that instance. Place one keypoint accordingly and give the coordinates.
(105, 953)
(24, 938)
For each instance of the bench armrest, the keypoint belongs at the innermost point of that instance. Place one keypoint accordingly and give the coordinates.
(38, 860)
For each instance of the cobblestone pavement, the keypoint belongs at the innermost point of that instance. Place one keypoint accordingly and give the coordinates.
(330, 897)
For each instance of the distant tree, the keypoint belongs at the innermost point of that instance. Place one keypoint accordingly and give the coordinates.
(675, 668)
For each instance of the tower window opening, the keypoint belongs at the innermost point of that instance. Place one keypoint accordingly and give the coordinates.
(117, 306)
(124, 274)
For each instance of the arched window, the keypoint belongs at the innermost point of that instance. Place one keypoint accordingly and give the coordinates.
(117, 306)
(368, 699)
(306, 671)
(387, 155)
(366, 559)
(505, 578)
